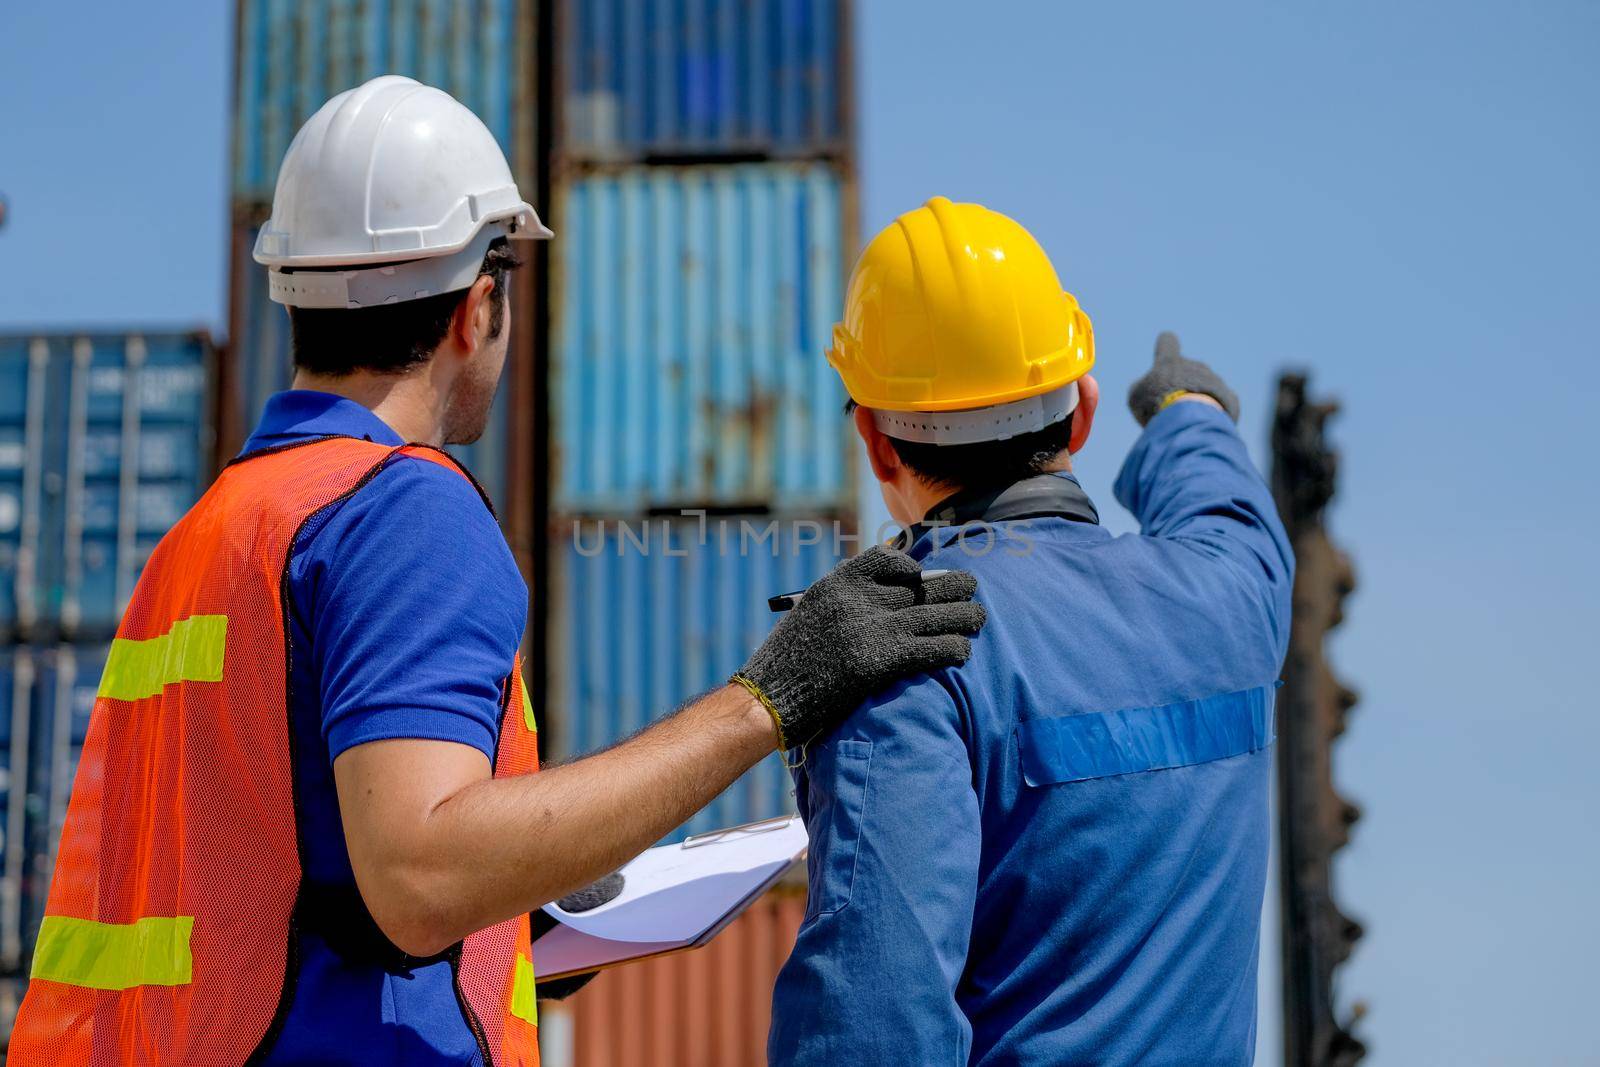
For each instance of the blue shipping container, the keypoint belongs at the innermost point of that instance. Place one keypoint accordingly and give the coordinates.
(262, 366)
(24, 373)
(295, 54)
(16, 691)
(701, 77)
(691, 310)
(66, 679)
(648, 613)
(110, 449)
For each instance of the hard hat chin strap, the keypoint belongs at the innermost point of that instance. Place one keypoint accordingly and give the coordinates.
(387, 283)
(998, 422)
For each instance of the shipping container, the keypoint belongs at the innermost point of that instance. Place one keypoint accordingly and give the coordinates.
(24, 372)
(111, 448)
(16, 693)
(292, 55)
(66, 679)
(692, 307)
(709, 1007)
(259, 343)
(651, 80)
(647, 613)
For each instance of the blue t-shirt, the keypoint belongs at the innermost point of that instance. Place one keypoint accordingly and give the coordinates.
(405, 613)
(1056, 852)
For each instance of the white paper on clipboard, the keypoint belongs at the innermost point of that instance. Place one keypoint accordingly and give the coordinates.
(674, 896)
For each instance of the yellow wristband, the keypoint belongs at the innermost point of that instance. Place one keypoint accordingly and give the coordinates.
(772, 709)
(1172, 398)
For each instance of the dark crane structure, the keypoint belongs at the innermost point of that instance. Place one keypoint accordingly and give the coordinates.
(1314, 821)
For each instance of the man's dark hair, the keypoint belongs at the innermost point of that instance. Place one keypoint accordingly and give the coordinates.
(391, 338)
(986, 463)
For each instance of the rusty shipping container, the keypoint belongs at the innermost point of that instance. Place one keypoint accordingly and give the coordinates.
(691, 308)
(706, 1008)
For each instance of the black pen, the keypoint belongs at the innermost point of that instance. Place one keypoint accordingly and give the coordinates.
(786, 601)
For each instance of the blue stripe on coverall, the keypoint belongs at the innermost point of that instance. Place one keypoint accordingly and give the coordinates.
(1075, 748)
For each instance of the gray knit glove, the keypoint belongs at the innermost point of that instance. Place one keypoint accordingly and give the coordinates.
(601, 891)
(1174, 374)
(867, 624)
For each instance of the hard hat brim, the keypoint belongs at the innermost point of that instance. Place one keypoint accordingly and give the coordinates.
(374, 285)
(995, 422)
(521, 222)
(1066, 365)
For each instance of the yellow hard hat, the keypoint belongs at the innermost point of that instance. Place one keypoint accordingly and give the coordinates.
(954, 307)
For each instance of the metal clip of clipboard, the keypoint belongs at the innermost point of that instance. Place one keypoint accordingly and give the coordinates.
(712, 837)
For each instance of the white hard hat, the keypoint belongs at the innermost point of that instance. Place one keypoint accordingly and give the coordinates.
(397, 181)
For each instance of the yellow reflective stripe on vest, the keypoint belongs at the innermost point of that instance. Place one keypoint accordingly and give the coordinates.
(191, 651)
(524, 1004)
(82, 952)
(527, 710)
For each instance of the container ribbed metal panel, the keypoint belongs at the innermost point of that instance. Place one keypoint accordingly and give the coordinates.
(107, 450)
(676, 78)
(24, 375)
(16, 692)
(691, 310)
(262, 366)
(66, 680)
(706, 1008)
(648, 613)
(295, 54)
(48, 694)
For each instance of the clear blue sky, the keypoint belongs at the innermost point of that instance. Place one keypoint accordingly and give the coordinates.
(1400, 197)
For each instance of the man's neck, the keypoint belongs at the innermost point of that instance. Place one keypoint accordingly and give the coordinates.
(408, 403)
(925, 496)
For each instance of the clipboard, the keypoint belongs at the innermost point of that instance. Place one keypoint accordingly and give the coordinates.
(675, 898)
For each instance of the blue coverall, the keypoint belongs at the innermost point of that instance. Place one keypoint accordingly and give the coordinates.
(1056, 853)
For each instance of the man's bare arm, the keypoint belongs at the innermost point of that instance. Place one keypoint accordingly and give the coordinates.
(440, 849)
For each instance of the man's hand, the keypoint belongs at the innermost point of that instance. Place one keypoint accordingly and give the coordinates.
(440, 849)
(1171, 377)
(867, 624)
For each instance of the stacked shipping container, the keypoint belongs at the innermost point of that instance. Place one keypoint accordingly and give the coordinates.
(702, 197)
(105, 442)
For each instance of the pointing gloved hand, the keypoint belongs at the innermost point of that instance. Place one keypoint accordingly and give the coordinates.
(868, 623)
(1173, 374)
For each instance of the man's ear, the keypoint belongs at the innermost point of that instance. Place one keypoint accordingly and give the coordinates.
(1083, 415)
(880, 451)
(469, 326)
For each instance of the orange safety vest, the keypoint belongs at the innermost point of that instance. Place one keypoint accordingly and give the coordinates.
(170, 932)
